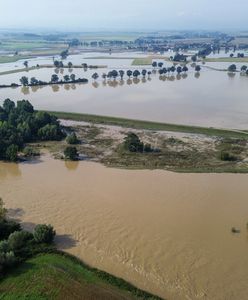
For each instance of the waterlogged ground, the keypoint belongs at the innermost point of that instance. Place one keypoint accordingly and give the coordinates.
(167, 233)
(210, 99)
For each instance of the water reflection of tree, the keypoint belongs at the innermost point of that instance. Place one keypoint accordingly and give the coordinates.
(55, 87)
(25, 90)
(67, 87)
(178, 76)
(129, 81)
(9, 170)
(95, 84)
(71, 165)
(136, 80)
(197, 75)
(231, 74)
(34, 88)
(61, 71)
(112, 83)
(121, 82)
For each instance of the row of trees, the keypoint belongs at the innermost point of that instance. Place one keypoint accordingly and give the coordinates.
(16, 244)
(136, 73)
(20, 124)
(60, 64)
(243, 69)
(24, 80)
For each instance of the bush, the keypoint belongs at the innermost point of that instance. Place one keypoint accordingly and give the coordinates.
(71, 153)
(11, 153)
(132, 143)
(226, 156)
(147, 148)
(18, 239)
(50, 133)
(7, 259)
(72, 139)
(30, 152)
(7, 227)
(44, 233)
(4, 246)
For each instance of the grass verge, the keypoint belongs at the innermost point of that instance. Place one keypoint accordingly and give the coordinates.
(228, 59)
(62, 276)
(140, 124)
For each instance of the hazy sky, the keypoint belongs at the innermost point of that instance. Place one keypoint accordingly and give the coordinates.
(124, 14)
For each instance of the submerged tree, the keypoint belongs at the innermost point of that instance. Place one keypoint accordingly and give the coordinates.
(54, 78)
(24, 80)
(95, 76)
(232, 68)
(129, 73)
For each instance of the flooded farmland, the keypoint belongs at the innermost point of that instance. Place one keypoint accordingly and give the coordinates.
(209, 98)
(167, 233)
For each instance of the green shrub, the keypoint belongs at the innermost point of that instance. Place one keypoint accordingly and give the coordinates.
(72, 139)
(132, 143)
(12, 153)
(7, 259)
(18, 239)
(50, 133)
(71, 153)
(44, 233)
(30, 152)
(226, 156)
(7, 227)
(4, 246)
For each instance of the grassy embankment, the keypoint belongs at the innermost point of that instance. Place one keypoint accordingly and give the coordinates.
(145, 61)
(228, 59)
(140, 124)
(61, 276)
(10, 59)
(189, 153)
(47, 67)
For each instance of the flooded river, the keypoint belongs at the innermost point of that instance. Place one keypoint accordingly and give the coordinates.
(167, 233)
(210, 99)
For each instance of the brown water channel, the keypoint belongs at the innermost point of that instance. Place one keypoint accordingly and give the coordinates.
(167, 233)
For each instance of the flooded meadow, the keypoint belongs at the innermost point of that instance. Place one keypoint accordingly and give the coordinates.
(168, 233)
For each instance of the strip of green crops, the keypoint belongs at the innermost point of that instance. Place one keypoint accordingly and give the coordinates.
(140, 124)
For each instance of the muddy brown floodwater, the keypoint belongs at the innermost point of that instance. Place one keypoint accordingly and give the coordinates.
(167, 233)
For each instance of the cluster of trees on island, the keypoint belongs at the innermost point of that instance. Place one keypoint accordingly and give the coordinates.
(20, 124)
(17, 245)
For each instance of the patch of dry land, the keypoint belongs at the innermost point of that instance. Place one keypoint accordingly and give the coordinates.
(174, 151)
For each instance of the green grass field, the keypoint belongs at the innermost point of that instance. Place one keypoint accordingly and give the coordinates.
(140, 124)
(142, 61)
(145, 61)
(9, 59)
(56, 276)
(228, 59)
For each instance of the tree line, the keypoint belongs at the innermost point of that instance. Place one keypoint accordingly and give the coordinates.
(20, 124)
(17, 245)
